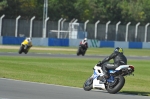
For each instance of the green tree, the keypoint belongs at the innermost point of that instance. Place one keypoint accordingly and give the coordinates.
(93, 10)
(62, 9)
(25, 8)
(3, 4)
(133, 11)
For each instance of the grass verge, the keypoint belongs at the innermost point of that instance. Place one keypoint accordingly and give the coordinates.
(73, 50)
(69, 72)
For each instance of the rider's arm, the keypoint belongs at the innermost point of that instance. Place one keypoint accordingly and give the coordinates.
(113, 55)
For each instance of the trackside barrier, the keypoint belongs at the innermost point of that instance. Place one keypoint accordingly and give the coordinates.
(136, 45)
(145, 45)
(74, 42)
(0, 40)
(121, 44)
(107, 43)
(6, 40)
(12, 40)
(58, 42)
(40, 41)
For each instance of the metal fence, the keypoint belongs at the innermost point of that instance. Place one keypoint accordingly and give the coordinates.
(135, 32)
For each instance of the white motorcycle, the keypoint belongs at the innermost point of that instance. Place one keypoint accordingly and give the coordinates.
(113, 84)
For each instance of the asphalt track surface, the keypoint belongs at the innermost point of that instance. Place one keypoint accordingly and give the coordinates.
(69, 56)
(14, 89)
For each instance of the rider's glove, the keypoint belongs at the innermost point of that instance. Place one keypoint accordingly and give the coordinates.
(99, 64)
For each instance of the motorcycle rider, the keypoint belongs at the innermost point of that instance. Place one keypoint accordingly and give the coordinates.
(84, 44)
(119, 59)
(27, 43)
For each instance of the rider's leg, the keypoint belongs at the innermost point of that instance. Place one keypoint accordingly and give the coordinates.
(109, 67)
(105, 68)
(25, 46)
(104, 77)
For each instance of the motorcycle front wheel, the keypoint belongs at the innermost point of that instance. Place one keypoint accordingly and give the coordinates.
(78, 52)
(21, 49)
(117, 85)
(88, 85)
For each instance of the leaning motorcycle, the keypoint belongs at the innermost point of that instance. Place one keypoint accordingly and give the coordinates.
(23, 47)
(81, 50)
(113, 84)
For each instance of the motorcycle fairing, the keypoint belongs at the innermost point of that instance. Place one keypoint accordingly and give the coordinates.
(96, 82)
(122, 67)
(25, 42)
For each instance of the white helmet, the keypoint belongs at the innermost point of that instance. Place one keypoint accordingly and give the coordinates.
(28, 39)
(85, 39)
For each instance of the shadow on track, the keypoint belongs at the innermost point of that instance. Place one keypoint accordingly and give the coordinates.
(137, 93)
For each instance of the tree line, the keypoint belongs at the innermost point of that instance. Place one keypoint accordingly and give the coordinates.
(104, 10)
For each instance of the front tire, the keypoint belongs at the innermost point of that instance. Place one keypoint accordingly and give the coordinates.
(78, 52)
(117, 85)
(83, 53)
(88, 85)
(21, 49)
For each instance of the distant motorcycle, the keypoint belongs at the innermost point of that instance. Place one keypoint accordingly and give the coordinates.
(113, 84)
(25, 47)
(81, 50)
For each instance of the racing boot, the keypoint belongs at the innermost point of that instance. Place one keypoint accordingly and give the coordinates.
(102, 79)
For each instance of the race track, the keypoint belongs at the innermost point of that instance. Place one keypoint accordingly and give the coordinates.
(13, 89)
(70, 56)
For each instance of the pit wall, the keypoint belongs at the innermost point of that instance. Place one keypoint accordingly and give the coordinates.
(73, 42)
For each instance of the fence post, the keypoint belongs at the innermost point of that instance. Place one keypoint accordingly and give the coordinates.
(62, 24)
(136, 30)
(146, 32)
(117, 29)
(44, 34)
(31, 21)
(85, 24)
(59, 26)
(106, 34)
(126, 39)
(70, 26)
(1, 24)
(96, 28)
(75, 21)
(16, 30)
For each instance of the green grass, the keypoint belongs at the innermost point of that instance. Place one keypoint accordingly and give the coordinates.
(69, 72)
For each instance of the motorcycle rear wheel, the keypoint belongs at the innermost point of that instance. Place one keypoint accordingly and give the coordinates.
(88, 85)
(26, 51)
(83, 53)
(117, 85)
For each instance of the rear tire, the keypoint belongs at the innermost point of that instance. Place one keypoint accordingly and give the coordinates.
(88, 85)
(83, 53)
(26, 52)
(117, 85)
